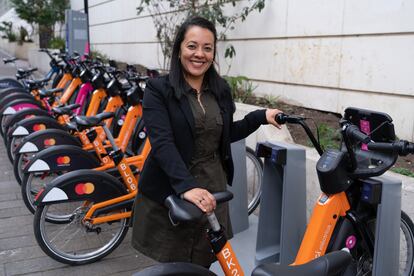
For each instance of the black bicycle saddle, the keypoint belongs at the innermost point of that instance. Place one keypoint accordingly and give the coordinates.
(327, 265)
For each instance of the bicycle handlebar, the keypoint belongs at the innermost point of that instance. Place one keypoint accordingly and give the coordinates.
(353, 132)
(403, 147)
(282, 118)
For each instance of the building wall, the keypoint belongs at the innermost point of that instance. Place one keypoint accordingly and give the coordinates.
(322, 54)
(4, 6)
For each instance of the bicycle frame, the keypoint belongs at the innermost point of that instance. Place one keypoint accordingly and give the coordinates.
(64, 81)
(322, 223)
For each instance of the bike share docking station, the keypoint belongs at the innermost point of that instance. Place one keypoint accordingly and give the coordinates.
(387, 229)
(274, 235)
(282, 219)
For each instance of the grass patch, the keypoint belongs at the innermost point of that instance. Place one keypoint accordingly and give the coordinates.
(329, 138)
(403, 171)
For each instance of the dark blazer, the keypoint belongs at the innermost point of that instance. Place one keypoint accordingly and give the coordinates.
(170, 125)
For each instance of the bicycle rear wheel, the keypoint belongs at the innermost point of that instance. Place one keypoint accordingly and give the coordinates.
(31, 184)
(76, 242)
(254, 172)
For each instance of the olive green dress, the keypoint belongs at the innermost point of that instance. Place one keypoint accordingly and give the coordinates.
(153, 234)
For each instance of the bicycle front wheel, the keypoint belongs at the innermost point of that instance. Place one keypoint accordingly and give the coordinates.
(76, 242)
(406, 245)
(254, 173)
(364, 261)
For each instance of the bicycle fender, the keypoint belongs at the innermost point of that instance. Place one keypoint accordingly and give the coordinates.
(13, 89)
(24, 114)
(62, 158)
(20, 104)
(85, 184)
(10, 83)
(40, 140)
(30, 125)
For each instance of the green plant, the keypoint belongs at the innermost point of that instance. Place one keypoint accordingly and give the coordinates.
(241, 88)
(170, 14)
(45, 13)
(7, 28)
(23, 35)
(57, 43)
(403, 171)
(271, 100)
(99, 55)
(329, 138)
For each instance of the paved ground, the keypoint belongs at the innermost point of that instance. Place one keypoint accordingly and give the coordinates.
(19, 252)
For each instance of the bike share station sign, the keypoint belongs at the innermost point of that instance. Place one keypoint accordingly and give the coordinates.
(76, 32)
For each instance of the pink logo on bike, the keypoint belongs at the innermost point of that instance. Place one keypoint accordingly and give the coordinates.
(350, 242)
(22, 106)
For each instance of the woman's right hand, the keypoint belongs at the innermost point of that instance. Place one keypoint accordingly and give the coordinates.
(201, 198)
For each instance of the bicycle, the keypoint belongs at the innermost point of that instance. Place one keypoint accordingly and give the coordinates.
(344, 215)
(93, 208)
(44, 166)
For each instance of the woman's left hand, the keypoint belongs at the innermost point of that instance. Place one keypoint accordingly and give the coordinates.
(271, 117)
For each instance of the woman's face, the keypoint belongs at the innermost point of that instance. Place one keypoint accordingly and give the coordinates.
(197, 51)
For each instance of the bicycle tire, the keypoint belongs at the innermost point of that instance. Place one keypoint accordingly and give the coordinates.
(31, 184)
(77, 240)
(407, 226)
(11, 145)
(20, 161)
(406, 249)
(254, 172)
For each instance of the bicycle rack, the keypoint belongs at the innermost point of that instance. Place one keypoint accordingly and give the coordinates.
(282, 218)
(387, 229)
(238, 206)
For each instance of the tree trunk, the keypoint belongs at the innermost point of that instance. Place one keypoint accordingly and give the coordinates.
(45, 35)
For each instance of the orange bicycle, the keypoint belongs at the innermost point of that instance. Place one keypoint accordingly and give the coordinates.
(344, 216)
(93, 208)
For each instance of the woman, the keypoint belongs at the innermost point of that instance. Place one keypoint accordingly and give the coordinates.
(189, 118)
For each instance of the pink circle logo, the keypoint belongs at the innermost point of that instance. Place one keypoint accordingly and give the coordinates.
(350, 242)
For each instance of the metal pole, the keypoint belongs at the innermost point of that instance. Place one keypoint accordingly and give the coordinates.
(86, 8)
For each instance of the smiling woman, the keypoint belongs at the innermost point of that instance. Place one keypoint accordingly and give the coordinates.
(196, 55)
(189, 119)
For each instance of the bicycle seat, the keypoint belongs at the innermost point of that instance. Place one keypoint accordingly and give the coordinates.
(8, 60)
(35, 84)
(49, 93)
(71, 126)
(65, 109)
(91, 121)
(174, 269)
(330, 264)
(181, 210)
(26, 72)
